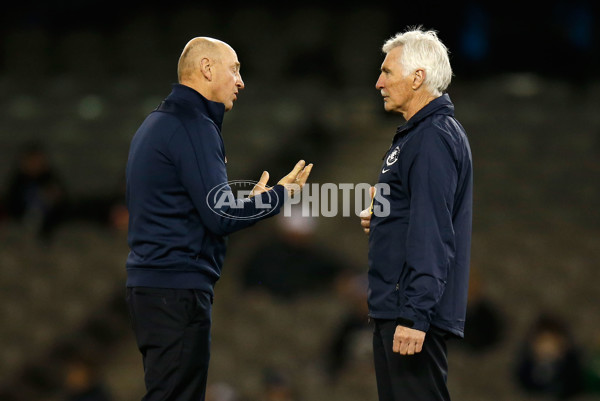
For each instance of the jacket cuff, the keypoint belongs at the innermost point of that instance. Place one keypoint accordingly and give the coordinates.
(275, 198)
(420, 325)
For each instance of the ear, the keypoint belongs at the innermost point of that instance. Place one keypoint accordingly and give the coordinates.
(418, 79)
(206, 68)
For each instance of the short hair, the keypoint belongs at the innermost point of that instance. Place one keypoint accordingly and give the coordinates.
(423, 49)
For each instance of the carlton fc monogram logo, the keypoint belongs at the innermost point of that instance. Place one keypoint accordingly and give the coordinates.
(393, 156)
(391, 159)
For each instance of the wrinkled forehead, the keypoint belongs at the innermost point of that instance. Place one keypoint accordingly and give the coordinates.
(392, 60)
(394, 54)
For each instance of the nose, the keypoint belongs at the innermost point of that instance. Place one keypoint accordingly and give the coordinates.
(379, 83)
(240, 83)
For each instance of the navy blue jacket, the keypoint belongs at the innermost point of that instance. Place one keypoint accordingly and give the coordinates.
(178, 223)
(419, 253)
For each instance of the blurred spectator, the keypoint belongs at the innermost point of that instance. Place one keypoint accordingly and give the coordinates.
(549, 363)
(352, 339)
(107, 210)
(82, 382)
(36, 196)
(484, 327)
(291, 264)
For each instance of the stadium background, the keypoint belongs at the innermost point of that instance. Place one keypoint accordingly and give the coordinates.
(79, 77)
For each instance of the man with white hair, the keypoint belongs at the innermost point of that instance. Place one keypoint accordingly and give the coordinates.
(419, 252)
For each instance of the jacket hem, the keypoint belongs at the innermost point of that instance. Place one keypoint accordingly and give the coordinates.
(444, 326)
(168, 278)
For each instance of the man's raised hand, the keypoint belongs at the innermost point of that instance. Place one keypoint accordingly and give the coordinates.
(296, 179)
(292, 182)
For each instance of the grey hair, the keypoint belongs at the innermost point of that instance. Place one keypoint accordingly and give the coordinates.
(423, 50)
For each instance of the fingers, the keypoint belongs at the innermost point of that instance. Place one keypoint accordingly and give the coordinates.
(264, 178)
(408, 341)
(400, 346)
(261, 185)
(365, 220)
(366, 224)
(296, 170)
(296, 179)
(294, 175)
(303, 176)
(405, 347)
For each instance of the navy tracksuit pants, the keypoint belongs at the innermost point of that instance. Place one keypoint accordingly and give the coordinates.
(172, 331)
(419, 377)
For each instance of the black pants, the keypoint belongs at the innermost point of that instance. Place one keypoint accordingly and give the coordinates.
(172, 330)
(419, 377)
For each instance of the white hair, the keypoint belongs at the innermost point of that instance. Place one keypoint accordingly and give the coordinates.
(423, 50)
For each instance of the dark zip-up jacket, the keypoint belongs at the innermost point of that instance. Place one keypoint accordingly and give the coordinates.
(179, 214)
(419, 253)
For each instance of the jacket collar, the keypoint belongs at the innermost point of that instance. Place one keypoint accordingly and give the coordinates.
(213, 110)
(439, 105)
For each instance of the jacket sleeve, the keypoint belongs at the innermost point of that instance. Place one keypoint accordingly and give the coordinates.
(199, 158)
(431, 181)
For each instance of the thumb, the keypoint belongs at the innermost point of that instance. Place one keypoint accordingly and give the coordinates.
(372, 191)
(264, 178)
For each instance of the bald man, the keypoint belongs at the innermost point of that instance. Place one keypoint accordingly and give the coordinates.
(211, 67)
(178, 227)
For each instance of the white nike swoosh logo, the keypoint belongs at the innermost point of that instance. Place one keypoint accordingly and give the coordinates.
(385, 170)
